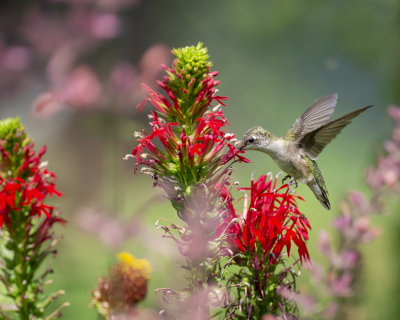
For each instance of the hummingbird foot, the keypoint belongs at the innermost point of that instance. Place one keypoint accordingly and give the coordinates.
(285, 178)
(292, 181)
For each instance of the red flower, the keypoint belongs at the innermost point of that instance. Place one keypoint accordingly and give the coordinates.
(29, 188)
(7, 195)
(272, 220)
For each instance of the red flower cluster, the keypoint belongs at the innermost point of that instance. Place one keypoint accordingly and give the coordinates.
(272, 220)
(182, 146)
(201, 147)
(24, 188)
(187, 142)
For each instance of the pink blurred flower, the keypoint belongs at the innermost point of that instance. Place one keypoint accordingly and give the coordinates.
(105, 25)
(341, 285)
(82, 88)
(60, 64)
(46, 104)
(305, 302)
(112, 232)
(394, 112)
(269, 317)
(151, 61)
(102, 4)
(123, 77)
(15, 58)
(324, 243)
(350, 259)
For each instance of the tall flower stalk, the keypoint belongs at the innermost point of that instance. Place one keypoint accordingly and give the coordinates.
(189, 154)
(26, 222)
(187, 145)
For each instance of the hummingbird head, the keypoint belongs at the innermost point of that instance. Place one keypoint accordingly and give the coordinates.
(256, 138)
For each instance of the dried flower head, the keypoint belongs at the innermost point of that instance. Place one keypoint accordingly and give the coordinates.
(125, 286)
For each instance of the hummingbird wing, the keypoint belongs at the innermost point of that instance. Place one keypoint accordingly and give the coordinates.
(315, 141)
(314, 117)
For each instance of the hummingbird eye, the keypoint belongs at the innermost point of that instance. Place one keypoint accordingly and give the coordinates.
(251, 140)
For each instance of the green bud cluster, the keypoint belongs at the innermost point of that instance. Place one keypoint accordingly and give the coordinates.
(12, 138)
(186, 79)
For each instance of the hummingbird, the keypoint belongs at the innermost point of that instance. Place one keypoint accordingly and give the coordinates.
(295, 153)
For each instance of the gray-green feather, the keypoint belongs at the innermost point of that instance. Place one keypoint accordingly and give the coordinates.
(318, 187)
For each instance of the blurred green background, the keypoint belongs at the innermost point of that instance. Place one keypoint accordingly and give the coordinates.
(275, 58)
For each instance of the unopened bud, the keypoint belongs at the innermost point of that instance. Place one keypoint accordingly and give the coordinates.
(127, 156)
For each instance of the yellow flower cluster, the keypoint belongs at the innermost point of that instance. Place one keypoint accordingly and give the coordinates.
(129, 263)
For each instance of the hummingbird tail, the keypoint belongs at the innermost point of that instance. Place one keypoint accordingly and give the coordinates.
(321, 193)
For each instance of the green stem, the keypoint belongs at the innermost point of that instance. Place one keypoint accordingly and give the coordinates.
(22, 277)
(22, 268)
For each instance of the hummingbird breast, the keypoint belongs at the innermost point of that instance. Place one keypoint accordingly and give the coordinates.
(290, 158)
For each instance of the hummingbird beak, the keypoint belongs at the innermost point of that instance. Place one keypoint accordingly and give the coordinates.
(240, 145)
